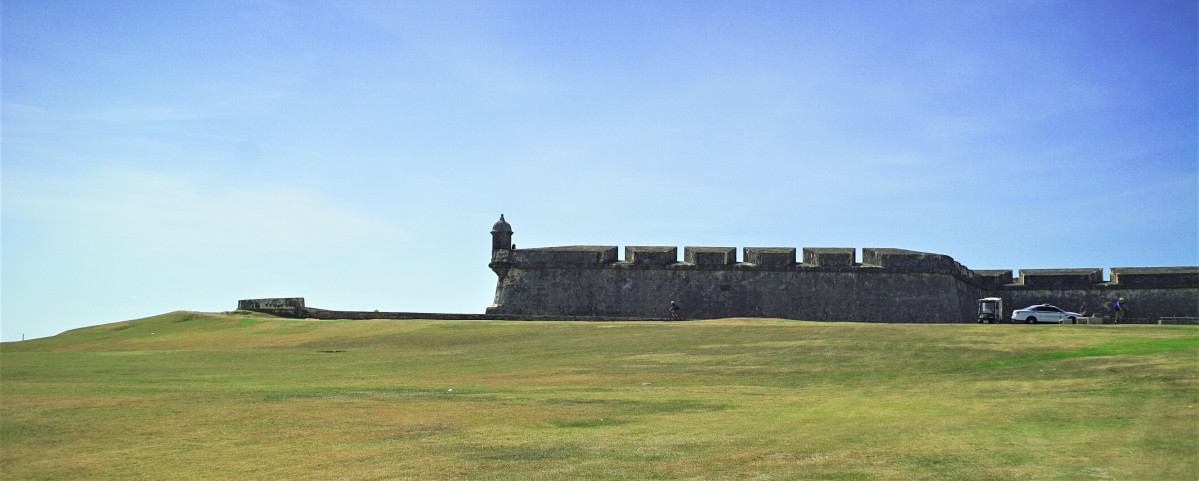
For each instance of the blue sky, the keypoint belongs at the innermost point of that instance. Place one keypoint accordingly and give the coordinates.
(160, 156)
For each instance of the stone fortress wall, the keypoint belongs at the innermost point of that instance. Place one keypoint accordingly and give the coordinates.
(293, 306)
(824, 284)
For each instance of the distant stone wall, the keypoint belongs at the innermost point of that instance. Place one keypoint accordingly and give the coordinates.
(272, 304)
(1151, 293)
(289, 310)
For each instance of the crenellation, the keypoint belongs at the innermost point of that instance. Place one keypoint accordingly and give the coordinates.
(651, 255)
(1156, 276)
(994, 278)
(1058, 278)
(770, 256)
(829, 256)
(710, 256)
(567, 255)
(901, 258)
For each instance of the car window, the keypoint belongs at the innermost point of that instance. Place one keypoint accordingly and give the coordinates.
(1052, 309)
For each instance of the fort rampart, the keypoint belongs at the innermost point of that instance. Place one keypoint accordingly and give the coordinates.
(817, 284)
(814, 283)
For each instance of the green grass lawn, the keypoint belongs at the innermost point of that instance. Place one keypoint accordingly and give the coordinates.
(239, 396)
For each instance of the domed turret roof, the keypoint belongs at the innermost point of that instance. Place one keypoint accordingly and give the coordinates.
(501, 225)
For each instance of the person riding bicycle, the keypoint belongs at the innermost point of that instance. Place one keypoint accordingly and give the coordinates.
(674, 310)
(1121, 308)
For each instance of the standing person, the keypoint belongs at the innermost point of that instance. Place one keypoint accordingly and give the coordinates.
(1121, 308)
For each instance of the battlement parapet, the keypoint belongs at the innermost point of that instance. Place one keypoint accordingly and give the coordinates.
(710, 256)
(1060, 278)
(697, 257)
(993, 278)
(829, 256)
(874, 259)
(566, 255)
(651, 255)
(770, 256)
(1186, 276)
(900, 258)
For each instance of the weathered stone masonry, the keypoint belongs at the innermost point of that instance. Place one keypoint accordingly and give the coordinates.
(291, 306)
(825, 284)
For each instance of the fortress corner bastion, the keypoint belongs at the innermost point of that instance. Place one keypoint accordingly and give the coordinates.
(813, 283)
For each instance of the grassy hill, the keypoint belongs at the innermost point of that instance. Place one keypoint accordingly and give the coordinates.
(238, 396)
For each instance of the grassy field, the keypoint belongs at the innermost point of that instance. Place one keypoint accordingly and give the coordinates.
(239, 396)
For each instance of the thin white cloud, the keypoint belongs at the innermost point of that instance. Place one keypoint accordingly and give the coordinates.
(165, 212)
(149, 118)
